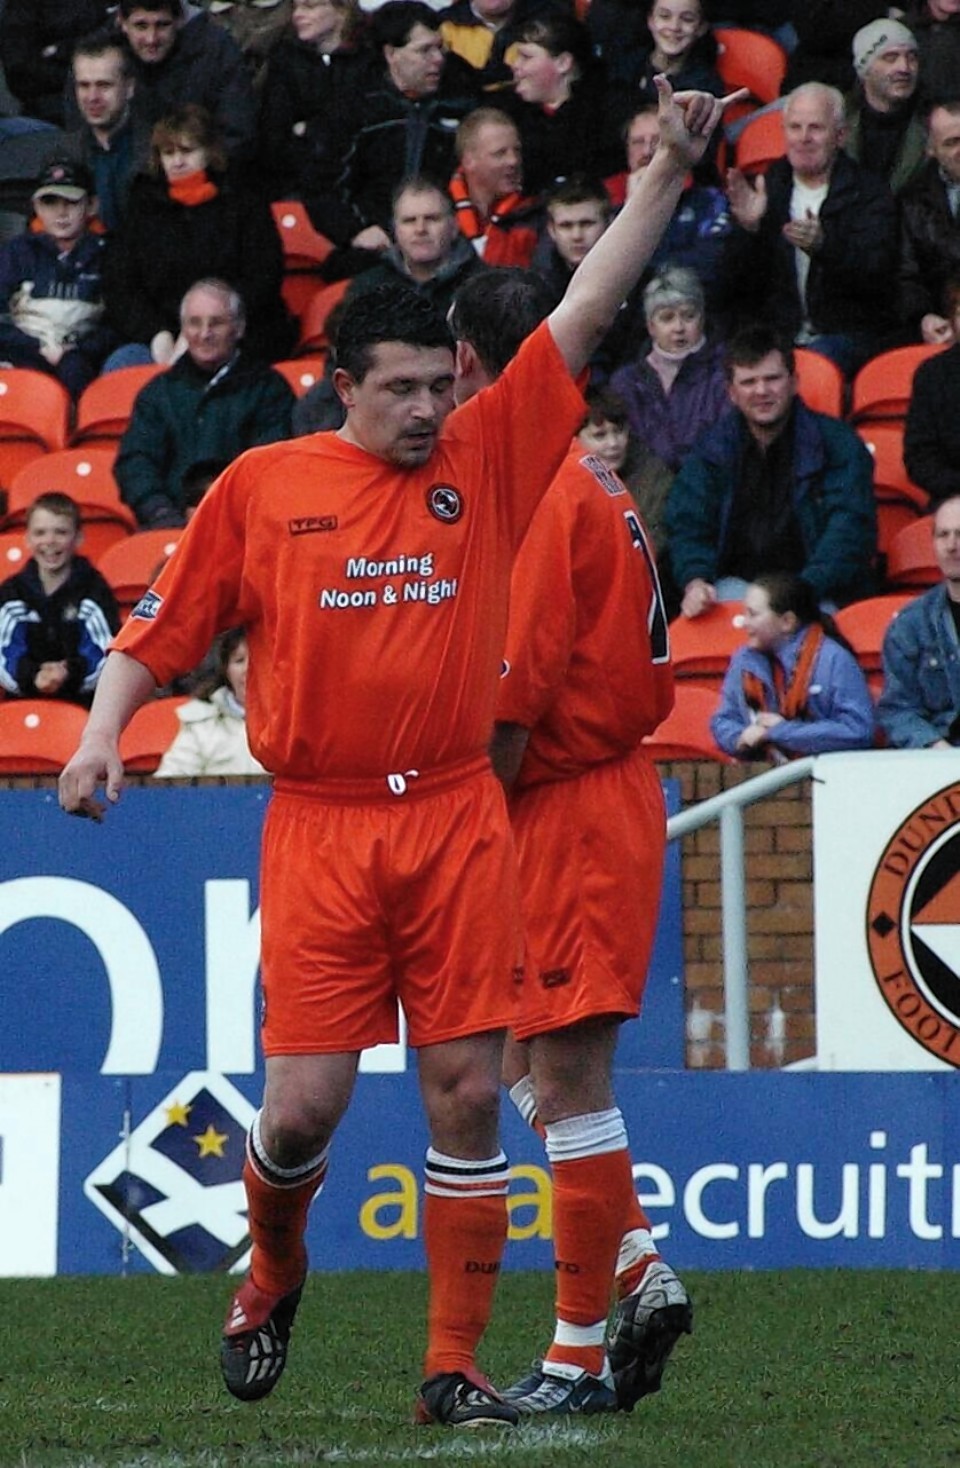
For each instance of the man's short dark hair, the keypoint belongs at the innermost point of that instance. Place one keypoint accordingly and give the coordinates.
(389, 313)
(392, 23)
(171, 7)
(580, 188)
(100, 43)
(496, 310)
(752, 343)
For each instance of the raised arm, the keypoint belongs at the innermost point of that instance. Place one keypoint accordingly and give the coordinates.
(617, 260)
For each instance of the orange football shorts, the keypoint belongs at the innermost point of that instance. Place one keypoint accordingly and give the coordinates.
(368, 898)
(591, 853)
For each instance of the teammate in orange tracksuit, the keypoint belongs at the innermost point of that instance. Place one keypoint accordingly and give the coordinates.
(586, 675)
(371, 570)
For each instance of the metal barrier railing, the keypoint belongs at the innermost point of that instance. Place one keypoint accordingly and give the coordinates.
(728, 808)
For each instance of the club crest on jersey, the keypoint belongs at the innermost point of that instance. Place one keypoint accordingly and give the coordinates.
(147, 607)
(913, 924)
(445, 503)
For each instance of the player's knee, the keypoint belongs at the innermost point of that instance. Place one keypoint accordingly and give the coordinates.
(294, 1131)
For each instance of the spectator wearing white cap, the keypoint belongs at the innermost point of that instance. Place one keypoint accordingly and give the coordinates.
(884, 132)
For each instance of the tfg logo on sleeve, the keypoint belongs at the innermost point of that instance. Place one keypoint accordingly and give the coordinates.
(175, 1184)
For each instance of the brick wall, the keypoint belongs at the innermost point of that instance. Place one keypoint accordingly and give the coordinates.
(779, 874)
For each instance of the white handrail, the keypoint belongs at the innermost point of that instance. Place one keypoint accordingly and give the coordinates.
(727, 808)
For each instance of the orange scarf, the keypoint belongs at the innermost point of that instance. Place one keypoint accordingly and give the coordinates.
(471, 225)
(194, 188)
(791, 697)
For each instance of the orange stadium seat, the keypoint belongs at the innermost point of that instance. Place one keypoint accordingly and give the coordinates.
(685, 732)
(911, 563)
(820, 381)
(301, 372)
(38, 735)
(882, 387)
(34, 418)
(899, 500)
(701, 647)
(748, 59)
(104, 408)
(316, 313)
(86, 475)
(864, 623)
(149, 735)
(304, 248)
(304, 251)
(760, 143)
(14, 553)
(130, 565)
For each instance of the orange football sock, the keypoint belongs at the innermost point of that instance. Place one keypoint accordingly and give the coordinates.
(464, 1232)
(277, 1218)
(592, 1187)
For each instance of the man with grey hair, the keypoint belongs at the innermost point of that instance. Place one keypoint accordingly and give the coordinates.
(210, 405)
(815, 247)
(676, 386)
(884, 131)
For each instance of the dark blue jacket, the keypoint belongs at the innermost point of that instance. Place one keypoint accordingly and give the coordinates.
(74, 625)
(832, 498)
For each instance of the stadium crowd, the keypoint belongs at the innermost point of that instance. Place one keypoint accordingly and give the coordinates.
(146, 167)
(180, 131)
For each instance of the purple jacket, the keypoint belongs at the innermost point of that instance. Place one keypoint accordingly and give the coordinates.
(668, 423)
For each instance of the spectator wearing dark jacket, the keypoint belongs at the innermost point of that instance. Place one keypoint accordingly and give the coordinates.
(110, 138)
(57, 615)
(187, 218)
(178, 60)
(931, 440)
(312, 74)
(561, 104)
(51, 287)
(36, 41)
(399, 124)
(677, 386)
(668, 36)
(771, 486)
(884, 131)
(815, 251)
(930, 229)
(210, 405)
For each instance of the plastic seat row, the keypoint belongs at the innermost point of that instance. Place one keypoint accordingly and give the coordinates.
(38, 736)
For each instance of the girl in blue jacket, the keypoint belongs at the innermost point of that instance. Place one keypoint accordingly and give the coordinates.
(796, 688)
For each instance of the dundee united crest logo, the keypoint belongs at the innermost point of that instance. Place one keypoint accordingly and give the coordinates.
(445, 503)
(913, 925)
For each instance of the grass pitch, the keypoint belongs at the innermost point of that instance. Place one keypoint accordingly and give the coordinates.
(790, 1370)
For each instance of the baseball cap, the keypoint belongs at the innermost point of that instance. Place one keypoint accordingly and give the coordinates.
(65, 179)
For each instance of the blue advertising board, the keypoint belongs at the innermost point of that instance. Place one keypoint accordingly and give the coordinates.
(130, 1069)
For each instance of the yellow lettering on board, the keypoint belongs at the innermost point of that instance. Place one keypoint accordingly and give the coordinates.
(540, 1199)
(404, 1200)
